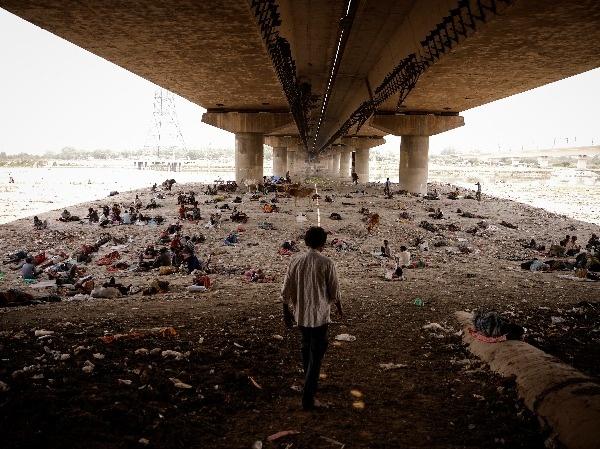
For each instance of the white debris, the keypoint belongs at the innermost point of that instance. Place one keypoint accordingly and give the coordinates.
(277, 337)
(88, 367)
(390, 366)
(141, 351)
(98, 356)
(174, 354)
(43, 333)
(123, 381)
(345, 337)
(4, 387)
(435, 327)
(179, 384)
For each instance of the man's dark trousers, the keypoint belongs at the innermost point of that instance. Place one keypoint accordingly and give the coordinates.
(314, 345)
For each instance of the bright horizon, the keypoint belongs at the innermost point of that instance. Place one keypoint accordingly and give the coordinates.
(56, 95)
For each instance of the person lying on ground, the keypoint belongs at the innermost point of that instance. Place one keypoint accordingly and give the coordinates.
(28, 270)
(309, 289)
(386, 251)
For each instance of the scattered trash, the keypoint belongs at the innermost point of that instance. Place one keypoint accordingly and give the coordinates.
(179, 384)
(257, 444)
(277, 337)
(345, 337)
(253, 382)
(435, 327)
(418, 302)
(88, 367)
(126, 382)
(358, 405)
(4, 387)
(356, 393)
(557, 320)
(282, 434)
(43, 333)
(390, 366)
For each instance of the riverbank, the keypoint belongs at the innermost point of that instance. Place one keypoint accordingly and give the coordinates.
(241, 364)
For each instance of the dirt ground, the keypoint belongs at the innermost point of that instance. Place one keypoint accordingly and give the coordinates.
(236, 374)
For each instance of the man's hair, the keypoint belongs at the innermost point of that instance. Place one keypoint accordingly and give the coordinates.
(403, 248)
(29, 260)
(315, 237)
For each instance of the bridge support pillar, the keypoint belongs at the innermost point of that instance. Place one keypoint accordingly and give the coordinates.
(335, 163)
(361, 165)
(280, 161)
(345, 162)
(414, 146)
(248, 156)
(361, 146)
(414, 163)
(249, 129)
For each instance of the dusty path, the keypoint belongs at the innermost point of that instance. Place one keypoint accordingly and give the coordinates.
(442, 398)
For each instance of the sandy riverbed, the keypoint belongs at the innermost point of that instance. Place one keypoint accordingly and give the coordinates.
(441, 398)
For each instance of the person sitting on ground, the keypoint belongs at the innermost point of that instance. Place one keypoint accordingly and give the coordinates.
(403, 257)
(593, 244)
(438, 214)
(191, 260)
(152, 204)
(572, 247)
(194, 214)
(39, 224)
(126, 218)
(163, 259)
(309, 289)
(354, 178)
(116, 213)
(65, 216)
(176, 243)
(153, 189)
(149, 252)
(387, 189)
(92, 215)
(386, 251)
(398, 273)
(28, 270)
(564, 242)
(188, 243)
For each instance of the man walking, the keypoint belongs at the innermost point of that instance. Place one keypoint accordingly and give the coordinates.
(387, 191)
(309, 289)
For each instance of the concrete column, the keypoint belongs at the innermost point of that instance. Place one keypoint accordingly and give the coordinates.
(414, 147)
(414, 163)
(248, 156)
(361, 161)
(345, 162)
(280, 161)
(335, 168)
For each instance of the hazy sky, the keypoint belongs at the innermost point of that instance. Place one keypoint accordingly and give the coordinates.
(54, 94)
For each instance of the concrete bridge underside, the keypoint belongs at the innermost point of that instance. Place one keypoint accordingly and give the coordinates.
(323, 79)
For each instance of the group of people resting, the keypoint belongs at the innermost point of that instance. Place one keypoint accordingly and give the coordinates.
(402, 260)
(120, 214)
(180, 252)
